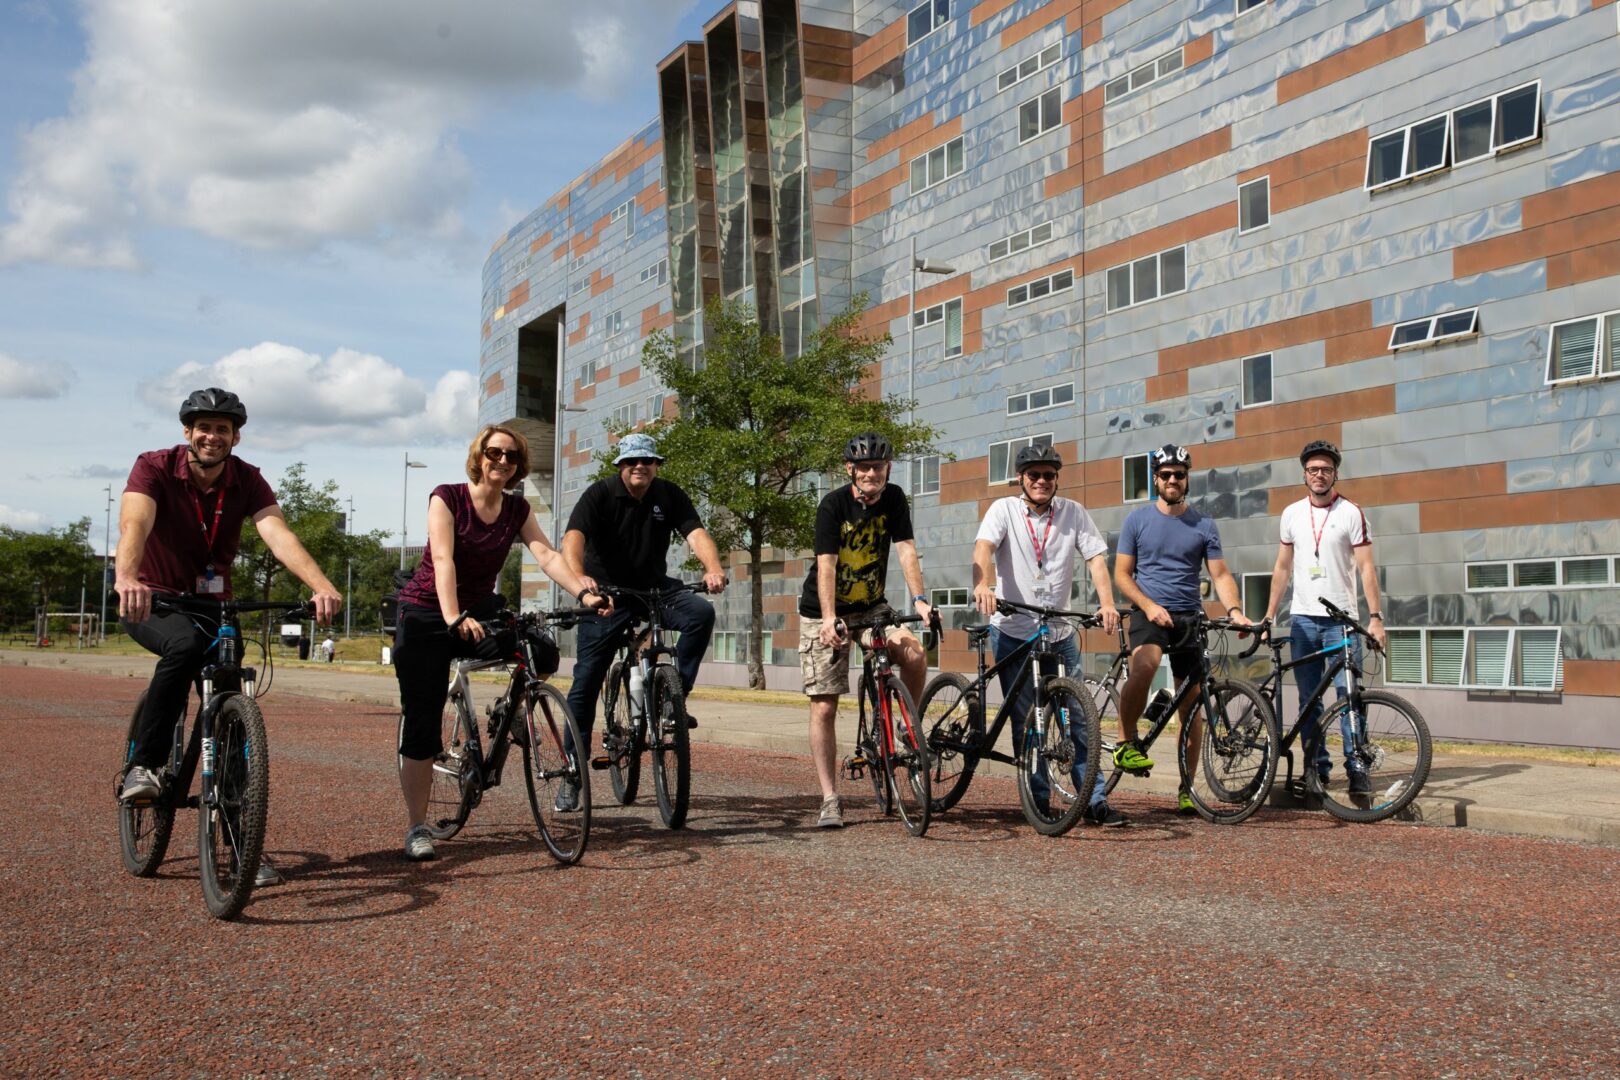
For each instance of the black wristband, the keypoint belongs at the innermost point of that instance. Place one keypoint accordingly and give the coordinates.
(580, 596)
(1234, 608)
(1371, 615)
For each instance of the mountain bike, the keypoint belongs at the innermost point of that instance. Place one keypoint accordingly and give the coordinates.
(1384, 737)
(644, 709)
(1056, 757)
(889, 740)
(228, 738)
(529, 712)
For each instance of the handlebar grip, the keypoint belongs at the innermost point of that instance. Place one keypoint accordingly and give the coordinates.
(1258, 631)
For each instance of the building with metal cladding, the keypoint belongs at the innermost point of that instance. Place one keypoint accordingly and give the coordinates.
(1234, 224)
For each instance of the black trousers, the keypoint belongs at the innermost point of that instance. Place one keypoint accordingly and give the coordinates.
(423, 650)
(182, 649)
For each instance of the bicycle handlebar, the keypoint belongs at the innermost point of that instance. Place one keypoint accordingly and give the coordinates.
(190, 603)
(653, 594)
(1350, 623)
(1089, 619)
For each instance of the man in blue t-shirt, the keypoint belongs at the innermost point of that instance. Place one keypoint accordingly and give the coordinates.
(1161, 549)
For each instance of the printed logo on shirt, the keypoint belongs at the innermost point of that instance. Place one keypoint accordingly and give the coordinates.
(657, 512)
(860, 570)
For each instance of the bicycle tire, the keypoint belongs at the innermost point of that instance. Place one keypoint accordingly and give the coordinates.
(554, 755)
(1238, 752)
(1394, 748)
(907, 758)
(619, 725)
(143, 828)
(1105, 697)
(953, 713)
(233, 806)
(450, 797)
(671, 746)
(1055, 753)
(870, 733)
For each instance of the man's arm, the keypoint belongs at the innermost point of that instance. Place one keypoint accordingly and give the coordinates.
(911, 571)
(1097, 567)
(703, 546)
(984, 577)
(290, 552)
(1280, 573)
(1369, 585)
(136, 515)
(573, 550)
(1226, 589)
(827, 593)
(555, 565)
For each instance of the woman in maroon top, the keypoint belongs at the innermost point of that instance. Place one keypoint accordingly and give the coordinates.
(471, 527)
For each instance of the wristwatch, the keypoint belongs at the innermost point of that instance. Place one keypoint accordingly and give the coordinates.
(1371, 615)
(919, 599)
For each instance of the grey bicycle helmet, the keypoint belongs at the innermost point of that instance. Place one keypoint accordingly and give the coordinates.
(1170, 454)
(868, 446)
(1320, 447)
(1031, 456)
(213, 402)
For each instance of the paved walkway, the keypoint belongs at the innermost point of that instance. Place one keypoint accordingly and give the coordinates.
(1532, 798)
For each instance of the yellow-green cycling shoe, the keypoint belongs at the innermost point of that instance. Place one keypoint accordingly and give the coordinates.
(1184, 803)
(1129, 756)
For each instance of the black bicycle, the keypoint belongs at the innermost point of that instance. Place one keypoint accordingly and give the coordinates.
(1384, 738)
(529, 712)
(644, 708)
(228, 738)
(1229, 768)
(889, 738)
(1057, 757)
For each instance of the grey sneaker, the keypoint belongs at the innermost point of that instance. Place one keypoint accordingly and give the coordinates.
(419, 844)
(832, 814)
(1360, 782)
(140, 783)
(567, 798)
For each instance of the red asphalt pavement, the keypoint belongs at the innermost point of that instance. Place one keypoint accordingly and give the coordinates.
(752, 943)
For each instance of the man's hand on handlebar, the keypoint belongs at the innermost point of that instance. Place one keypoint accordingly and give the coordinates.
(832, 633)
(328, 602)
(134, 600)
(714, 582)
(1110, 618)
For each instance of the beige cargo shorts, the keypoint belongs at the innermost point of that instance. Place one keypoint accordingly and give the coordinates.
(826, 670)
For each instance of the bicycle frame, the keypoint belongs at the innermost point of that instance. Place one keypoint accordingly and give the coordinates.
(1027, 655)
(1194, 690)
(1272, 687)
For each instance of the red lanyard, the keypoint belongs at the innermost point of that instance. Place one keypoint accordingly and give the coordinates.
(1039, 546)
(1316, 534)
(209, 535)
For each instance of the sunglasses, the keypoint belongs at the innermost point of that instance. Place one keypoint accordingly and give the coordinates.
(1169, 474)
(495, 453)
(644, 462)
(1320, 470)
(869, 466)
(1045, 476)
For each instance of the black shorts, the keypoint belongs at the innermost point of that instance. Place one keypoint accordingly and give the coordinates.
(1178, 640)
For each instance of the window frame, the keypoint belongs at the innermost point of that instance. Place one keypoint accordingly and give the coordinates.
(1432, 324)
(1512, 665)
(945, 169)
(1263, 591)
(1125, 477)
(1029, 241)
(1051, 283)
(921, 484)
(1051, 394)
(658, 270)
(1243, 7)
(938, 22)
(1130, 268)
(941, 312)
(1560, 573)
(1243, 381)
(1604, 335)
(1013, 446)
(946, 597)
(1160, 73)
(1448, 154)
(1266, 224)
(1042, 127)
(1041, 64)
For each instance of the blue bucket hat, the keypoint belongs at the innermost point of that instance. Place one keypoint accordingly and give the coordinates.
(637, 446)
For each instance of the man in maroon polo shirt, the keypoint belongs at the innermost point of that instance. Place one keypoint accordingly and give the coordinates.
(179, 526)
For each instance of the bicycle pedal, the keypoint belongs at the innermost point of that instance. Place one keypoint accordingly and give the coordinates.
(601, 761)
(1144, 773)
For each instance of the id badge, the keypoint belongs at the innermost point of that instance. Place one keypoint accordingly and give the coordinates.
(1315, 572)
(210, 583)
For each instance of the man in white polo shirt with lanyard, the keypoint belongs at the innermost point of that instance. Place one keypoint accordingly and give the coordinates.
(1325, 544)
(1025, 550)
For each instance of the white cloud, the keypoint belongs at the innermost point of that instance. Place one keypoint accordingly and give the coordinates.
(20, 380)
(294, 398)
(26, 520)
(291, 123)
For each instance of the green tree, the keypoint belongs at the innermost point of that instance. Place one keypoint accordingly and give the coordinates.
(756, 428)
(51, 566)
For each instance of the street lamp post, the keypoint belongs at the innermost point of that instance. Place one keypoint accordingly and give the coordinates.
(405, 510)
(106, 559)
(926, 266)
(348, 584)
(556, 480)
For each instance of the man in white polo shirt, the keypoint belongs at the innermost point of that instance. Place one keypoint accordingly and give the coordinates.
(1325, 544)
(1025, 550)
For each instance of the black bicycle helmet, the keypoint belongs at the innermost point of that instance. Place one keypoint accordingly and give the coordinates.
(1320, 447)
(1170, 454)
(1031, 456)
(868, 446)
(213, 402)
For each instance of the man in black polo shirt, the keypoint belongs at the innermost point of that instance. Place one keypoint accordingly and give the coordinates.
(619, 534)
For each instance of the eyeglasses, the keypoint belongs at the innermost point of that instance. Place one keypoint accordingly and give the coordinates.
(495, 453)
(1045, 476)
(1320, 470)
(869, 466)
(642, 462)
(1178, 477)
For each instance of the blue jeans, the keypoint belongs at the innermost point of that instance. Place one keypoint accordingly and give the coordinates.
(1068, 650)
(596, 638)
(1313, 633)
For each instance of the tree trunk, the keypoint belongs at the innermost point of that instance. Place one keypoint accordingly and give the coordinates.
(756, 616)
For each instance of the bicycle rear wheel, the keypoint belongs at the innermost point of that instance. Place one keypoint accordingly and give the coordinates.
(143, 828)
(1237, 754)
(555, 756)
(907, 758)
(620, 738)
(231, 811)
(450, 798)
(1390, 744)
(1105, 696)
(1057, 767)
(953, 715)
(671, 745)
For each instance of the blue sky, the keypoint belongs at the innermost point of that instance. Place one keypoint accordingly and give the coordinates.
(293, 199)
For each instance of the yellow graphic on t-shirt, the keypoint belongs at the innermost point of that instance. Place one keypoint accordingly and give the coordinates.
(863, 558)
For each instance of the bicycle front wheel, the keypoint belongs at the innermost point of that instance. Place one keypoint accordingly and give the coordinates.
(907, 758)
(1388, 741)
(869, 745)
(554, 759)
(620, 739)
(1106, 699)
(1230, 772)
(1057, 760)
(232, 809)
(143, 828)
(953, 715)
(454, 775)
(672, 746)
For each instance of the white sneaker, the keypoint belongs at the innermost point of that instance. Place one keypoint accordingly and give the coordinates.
(418, 844)
(140, 783)
(832, 816)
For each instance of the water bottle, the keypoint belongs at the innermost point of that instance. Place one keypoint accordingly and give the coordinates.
(227, 645)
(1158, 706)
(638, 685)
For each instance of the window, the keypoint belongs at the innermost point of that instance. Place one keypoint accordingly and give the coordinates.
(1030, 291)
(950, 597)
(1021, 241)
(587, 372)
(1039, 115)
(1257, 380)
(1147, 279)
(1256, 595)
(1144, 76)
(619, 212)
(1583, 348)
(658, 271)
(1254, 205)
(1044, 398)
(1029, 66)
(1434, 329)
(950, 313)
(1477, 130)
(613, 323)
(1477, 657)
(925, 18)
(926, 480)
(1003, 454)
(938, 165)
(731, 646)
(1248, 5)
(625, 416)
(576, 264)
(1137, 486)
(580, 285)
(1575, 572)
(655, 406)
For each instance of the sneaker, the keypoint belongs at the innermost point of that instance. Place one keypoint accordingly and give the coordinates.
(832, 814)
(567, 798)
(1101, 813)
(1129, 756)
(1184, 803)
(140, 783)
(419, 844)
(1360, 782)
(269, 877)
